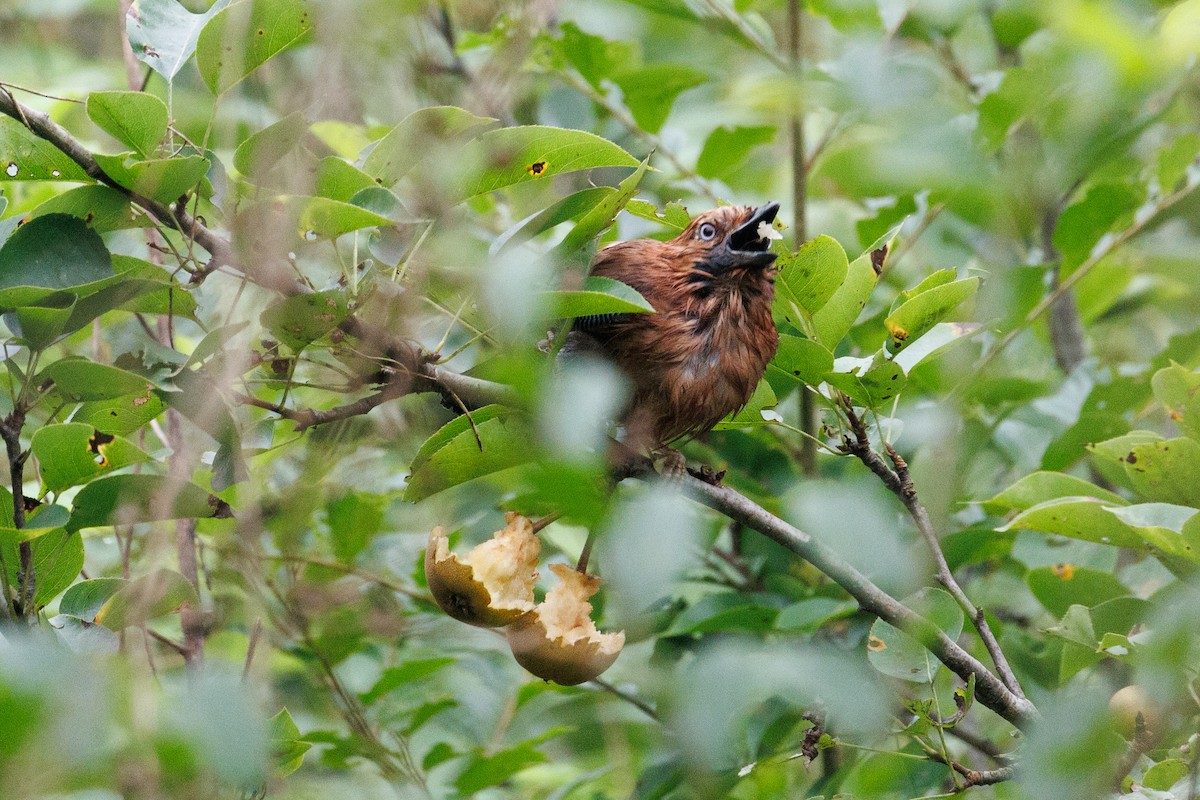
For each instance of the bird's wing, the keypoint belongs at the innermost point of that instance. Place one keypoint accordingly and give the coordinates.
(596, 322)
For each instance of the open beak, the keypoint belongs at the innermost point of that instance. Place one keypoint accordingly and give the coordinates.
(750, 244)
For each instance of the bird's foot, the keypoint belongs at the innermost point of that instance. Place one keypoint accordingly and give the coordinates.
(707, 474)
(674, 465)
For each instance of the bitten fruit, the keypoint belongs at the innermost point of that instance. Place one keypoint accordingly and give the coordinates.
(558, 641)
(492, 585)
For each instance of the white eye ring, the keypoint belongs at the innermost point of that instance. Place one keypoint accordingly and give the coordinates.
(707, 231)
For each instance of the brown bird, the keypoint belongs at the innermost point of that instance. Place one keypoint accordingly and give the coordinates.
(700, 356)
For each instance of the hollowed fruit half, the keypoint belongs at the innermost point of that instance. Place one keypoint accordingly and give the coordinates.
(490, 586)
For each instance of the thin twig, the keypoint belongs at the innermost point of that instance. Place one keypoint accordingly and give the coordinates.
(640, 705)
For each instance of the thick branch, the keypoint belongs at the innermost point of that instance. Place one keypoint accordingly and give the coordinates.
(10, 430)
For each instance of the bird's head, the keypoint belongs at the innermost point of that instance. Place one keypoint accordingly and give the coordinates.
(730, 238)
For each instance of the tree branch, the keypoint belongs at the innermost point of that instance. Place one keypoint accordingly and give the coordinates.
(899, 482)
(40, 124)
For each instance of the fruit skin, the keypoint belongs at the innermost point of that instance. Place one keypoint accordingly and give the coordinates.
(567, 657)
(1127, 704)
(461, 594)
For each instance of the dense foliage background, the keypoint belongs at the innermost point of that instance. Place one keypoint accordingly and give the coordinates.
(257, 259)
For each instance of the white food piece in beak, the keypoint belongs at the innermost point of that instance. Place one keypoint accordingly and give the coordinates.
(766, 231)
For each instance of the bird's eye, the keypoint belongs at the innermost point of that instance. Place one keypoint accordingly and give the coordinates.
(707, 231)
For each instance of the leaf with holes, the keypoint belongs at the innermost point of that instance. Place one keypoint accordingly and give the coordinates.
(72, 454)
(798, 361)
(808, 278)
(1166, 471)
(510, 156)
(918, 315)
(868, 382)
(25, 157)
(244, 36)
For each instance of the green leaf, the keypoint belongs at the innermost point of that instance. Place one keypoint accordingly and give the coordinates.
(120, 416)
(1042, 486)
(161, 179)
(895, 653)
(263, 150)
(25, 157)
(137, 119)
(600, 217)
(241, 38)
(1166, 471)
(57, 558)
(727, 148)
(917, 316)
(42, 321)
(484, 771)
(453, 455)
(407, 672)
(404, 146)
(1178, 389)
(596, 58)
(300, 320)
(510, 156)
(85, 599)
(808, 615)
(79, 379)
(1175, 158)
(674, 215)
(72, 454)
(798, 361)
(651, 91)
(287, 748)
(570, 207)
(1078, 518)
(1064, 585)
(354, 519)
(338, 180)
(1165, 774)
(1081, 225)
(322, 218)
(1109, 456)
(168, 298)
(598, 296)
(725, 611)
(808, 278)
(103, 208)
(127, 499)
(868, 382)
(163, 33)
(752, 413)
(55, 252)
(157, 594)
(836, 317)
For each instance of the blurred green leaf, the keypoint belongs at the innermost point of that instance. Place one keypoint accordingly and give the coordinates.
(300, 320)
(595, 57)
(650, 91)
(137, 119)
(322, 218)
(488, 770)
(897, 654)
(1064, 585)
(407, 672)
(148, 597)
(1178, 389)
(287, 747)
(727, 148)
(263, 150)
(1165, 774)
(127, 499)
(242, 37)
(403, 147)
(1081, 225)
(354, 519)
